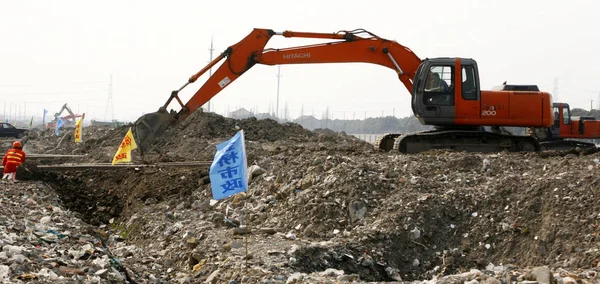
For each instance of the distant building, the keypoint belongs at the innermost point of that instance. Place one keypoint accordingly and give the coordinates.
(265, 116)
(309, 122)
(241, 114)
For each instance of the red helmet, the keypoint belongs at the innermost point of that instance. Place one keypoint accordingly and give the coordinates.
(17, 144)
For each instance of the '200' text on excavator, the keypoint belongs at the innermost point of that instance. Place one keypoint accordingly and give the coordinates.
(445, 92)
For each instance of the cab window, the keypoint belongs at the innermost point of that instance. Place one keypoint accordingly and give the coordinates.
(566, 116)
(556, 117)
(439, 86)
(469, 88)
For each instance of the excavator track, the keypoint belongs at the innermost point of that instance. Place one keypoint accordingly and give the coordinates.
(458, 140)
(386, 141)
(567, 145)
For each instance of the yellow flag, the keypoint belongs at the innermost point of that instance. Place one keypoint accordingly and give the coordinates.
(78, 129)
(123, 155)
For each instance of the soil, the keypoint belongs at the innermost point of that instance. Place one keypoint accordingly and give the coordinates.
(342, 202)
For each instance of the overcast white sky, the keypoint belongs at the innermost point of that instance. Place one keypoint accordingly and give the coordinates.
(56, 52)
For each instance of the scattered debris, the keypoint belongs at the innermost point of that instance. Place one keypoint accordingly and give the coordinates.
(322, 207)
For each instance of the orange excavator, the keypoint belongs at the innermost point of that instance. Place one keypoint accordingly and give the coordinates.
(445, 92)
(567, 132)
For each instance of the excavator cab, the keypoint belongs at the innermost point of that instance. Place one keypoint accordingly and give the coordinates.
(441, 94)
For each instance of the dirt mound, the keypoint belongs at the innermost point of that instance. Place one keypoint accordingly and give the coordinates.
(196, 137)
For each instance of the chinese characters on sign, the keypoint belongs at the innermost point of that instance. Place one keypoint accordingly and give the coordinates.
(78, 126)
(228, 170)
(123, 155)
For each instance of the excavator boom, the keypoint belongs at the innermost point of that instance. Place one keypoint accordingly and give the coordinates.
(350, 47)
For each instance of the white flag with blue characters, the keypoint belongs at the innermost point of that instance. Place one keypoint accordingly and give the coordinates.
(44, 119)
(229, 167)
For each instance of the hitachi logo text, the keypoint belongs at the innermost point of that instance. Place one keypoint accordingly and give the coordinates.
(296, 55)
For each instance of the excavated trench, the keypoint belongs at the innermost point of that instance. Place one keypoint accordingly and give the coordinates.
(100, 195)
(96, 205)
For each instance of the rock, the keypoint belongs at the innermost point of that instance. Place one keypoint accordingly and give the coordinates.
(309, 231)
(70, 271)
(487, 165)
(348, 278)
(269, 231)
(492, 280)
(18, 258)
(415, 234)
(542, 275)
(296, 277)
(183, 205)
(239, 197)
(331, 272)
(4, 273)
(213, 278)
(254, 171)
(170, 215)
(393, 273)
(45, 220)
(241, 230)
(218, 217)
(192, 242)
(200, 205)
(11, 250)
(357, 210)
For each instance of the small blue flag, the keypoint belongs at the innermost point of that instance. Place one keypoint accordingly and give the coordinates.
(59, 124)
(228, 170)
(44, 119)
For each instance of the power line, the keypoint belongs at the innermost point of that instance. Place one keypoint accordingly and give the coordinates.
(109, 103)
(278, 78)
(55, 84)
(52, 93)
(211, 49)
(555, 89)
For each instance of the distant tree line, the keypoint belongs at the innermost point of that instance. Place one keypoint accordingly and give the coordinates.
(582, 112)
(376, 125)
(379, 125)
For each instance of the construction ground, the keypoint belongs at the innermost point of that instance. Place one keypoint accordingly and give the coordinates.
(322, 207)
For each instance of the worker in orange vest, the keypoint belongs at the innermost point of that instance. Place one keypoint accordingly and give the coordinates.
(14, 158)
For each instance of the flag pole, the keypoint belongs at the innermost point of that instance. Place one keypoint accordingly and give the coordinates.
(247, 229)
(247, 221)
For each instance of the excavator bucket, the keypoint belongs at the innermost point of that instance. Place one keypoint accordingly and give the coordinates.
(149, 127)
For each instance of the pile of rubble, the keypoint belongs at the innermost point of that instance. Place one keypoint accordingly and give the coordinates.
(324, 207)
(44, 242)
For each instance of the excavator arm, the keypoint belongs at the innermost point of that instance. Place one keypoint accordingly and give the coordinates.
(350, 47)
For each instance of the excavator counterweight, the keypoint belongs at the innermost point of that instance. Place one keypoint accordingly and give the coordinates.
(445, 92)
